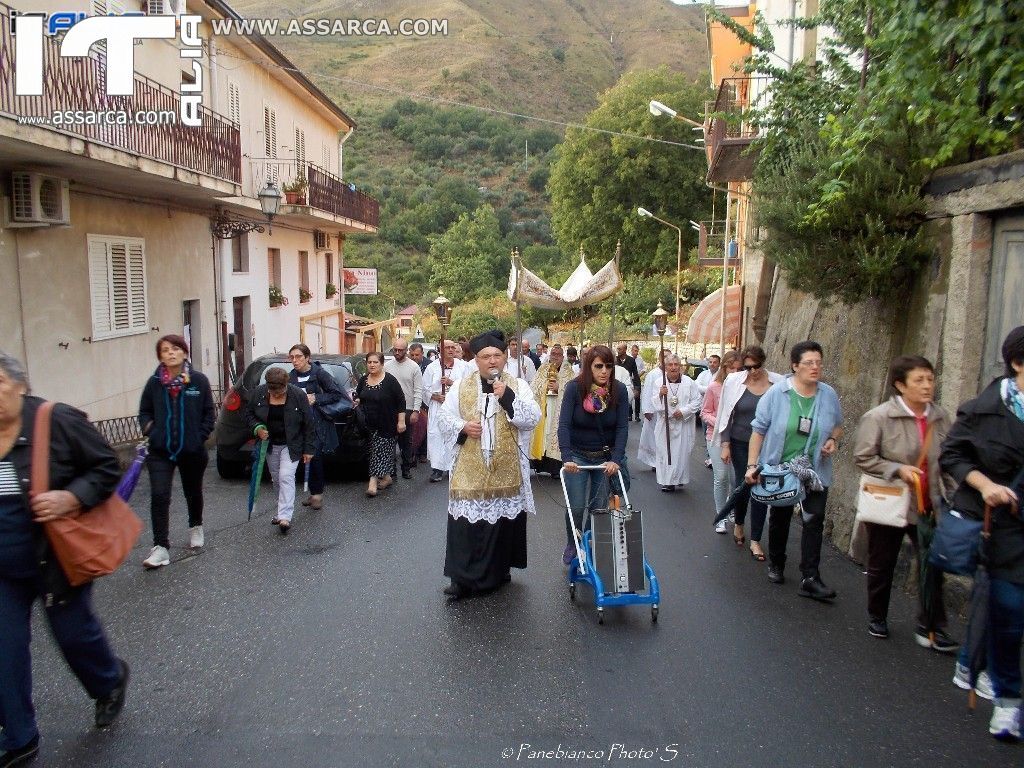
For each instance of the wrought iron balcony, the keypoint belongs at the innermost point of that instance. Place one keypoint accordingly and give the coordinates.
(323, 190)
(728, 132)
(79, 85)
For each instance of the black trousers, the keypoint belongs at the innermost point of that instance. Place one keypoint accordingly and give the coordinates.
(740, 451)
(884, 542)
(405, 443)
(637, 412)
(192, 466)
(810, 541)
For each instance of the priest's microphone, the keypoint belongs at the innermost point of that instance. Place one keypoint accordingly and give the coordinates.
(492, 375)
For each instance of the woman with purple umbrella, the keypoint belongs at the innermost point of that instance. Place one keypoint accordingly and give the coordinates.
(176, 413)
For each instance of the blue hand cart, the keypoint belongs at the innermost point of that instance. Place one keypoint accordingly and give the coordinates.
(610, 555)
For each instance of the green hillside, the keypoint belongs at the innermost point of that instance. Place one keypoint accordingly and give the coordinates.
(430, 162)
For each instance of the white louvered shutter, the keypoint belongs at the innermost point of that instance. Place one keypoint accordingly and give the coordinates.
(234, 104)
(99, 288)
(270, 142)
(119, 286)
(138, 309)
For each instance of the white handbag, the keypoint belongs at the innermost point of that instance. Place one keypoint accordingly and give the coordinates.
(884, 502)
(887, 502)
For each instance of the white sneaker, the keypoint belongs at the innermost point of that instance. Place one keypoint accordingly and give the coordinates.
(195, 537)
(962, 679)
(722, 527)
(1004, 724)
(158, 556)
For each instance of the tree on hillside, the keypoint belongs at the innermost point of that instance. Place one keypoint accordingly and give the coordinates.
(599, 180)
(470, 258)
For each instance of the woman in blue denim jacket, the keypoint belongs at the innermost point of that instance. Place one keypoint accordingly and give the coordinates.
(798, 415)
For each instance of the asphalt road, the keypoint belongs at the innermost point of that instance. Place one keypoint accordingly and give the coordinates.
(334, 646)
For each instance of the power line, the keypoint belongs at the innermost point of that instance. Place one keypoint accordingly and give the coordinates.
(465, 105)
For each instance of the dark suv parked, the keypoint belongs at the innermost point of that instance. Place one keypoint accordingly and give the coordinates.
(235, 441)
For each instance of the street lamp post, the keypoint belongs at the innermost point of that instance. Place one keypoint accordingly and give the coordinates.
(660, 322)
(644, 213)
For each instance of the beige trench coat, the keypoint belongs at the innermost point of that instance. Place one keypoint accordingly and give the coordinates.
(887, 439)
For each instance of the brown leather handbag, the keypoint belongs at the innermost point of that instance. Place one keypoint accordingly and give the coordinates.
(88, 543)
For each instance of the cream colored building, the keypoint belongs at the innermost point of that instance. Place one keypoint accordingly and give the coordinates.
(106, 231)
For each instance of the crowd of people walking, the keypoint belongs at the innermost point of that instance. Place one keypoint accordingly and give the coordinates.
(488, 414)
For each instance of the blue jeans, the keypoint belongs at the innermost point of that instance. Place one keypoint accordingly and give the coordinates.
(78, 634)
(588, 489)
(1005, 630)
(725, 477)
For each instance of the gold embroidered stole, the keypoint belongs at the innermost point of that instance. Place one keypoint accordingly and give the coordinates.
(471, 478)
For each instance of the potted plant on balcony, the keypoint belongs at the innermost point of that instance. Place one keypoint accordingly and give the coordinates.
(304, 295)
(295, 191)
(277, 297)
(332, 290)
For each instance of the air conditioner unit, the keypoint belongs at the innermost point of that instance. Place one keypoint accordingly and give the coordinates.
(39, 199)
(321, 240)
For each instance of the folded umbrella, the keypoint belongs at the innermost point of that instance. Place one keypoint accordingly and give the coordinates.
(739, 494)
(259, 458)
(976, 639)
(126, 487)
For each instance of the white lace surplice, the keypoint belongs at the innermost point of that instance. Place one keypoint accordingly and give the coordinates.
(525, 416)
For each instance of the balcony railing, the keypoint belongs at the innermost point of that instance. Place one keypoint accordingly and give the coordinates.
(324, 190)
(79, 84)
(729, 130)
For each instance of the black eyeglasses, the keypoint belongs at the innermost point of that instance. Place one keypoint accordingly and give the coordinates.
(601, 366)
(752, 367)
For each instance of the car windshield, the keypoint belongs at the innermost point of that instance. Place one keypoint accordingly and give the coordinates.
(341, 372)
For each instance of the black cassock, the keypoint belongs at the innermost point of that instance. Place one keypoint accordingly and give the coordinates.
(479, 555)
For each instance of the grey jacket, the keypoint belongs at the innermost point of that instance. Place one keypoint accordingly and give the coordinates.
(888, 438)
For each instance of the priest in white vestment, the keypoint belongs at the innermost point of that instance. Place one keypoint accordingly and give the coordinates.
(683, 398)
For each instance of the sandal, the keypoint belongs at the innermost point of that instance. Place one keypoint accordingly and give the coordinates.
(740, 540)
(759, 556)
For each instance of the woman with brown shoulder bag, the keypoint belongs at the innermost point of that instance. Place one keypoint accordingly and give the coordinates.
(83, 472)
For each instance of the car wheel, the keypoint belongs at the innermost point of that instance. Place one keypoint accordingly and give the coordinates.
(230, 470)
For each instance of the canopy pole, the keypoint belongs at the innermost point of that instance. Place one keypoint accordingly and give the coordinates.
(517, 265)
(611, 325)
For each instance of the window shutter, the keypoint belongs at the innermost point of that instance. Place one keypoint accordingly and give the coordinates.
(99, 287)
(270, 142)
(300, 149)
(234, 104)
(137, 286)
(117, 286)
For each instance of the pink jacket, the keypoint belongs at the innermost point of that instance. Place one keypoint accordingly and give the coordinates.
(709, 410)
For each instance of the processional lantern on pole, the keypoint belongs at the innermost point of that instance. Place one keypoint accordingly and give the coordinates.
(660, 317)
(443, 311)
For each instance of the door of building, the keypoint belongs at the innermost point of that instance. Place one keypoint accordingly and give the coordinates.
(240, 325)
(1006, 291)
(192, 331)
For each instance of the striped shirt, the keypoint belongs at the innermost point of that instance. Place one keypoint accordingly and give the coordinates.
(17, 548)
(9, 485)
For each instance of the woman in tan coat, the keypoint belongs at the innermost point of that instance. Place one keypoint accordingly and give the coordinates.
(889, 445)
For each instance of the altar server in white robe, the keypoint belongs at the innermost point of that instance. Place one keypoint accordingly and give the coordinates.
(684, 401)
(645, 453)
(437, 382)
